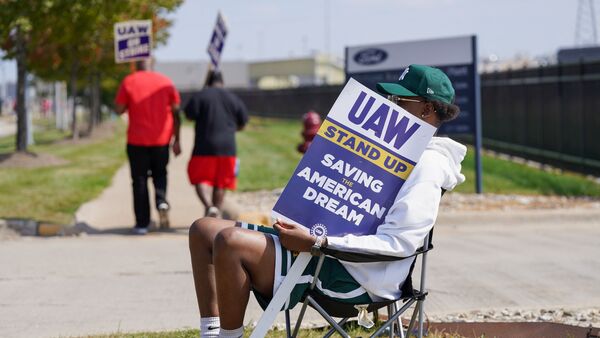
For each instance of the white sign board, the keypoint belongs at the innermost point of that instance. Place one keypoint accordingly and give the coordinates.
(133, 40)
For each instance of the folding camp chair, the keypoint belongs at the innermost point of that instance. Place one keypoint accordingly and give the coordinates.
(329, 308)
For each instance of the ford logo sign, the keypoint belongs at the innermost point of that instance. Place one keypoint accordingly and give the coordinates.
(370, 56)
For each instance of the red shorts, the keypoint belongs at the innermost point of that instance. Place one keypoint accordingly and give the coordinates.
(216, 171)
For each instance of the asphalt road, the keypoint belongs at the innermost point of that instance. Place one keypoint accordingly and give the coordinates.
(112, 282)
(109, 281)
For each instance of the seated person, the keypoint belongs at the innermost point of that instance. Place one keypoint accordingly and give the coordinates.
(229, 259)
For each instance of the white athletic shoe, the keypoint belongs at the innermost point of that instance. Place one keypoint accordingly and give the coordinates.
(213, 212)
(163, 216)
(139, 231)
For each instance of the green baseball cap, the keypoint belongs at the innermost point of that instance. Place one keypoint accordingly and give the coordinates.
(424, 81)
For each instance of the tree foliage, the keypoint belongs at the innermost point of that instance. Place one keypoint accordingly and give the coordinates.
(72, 40)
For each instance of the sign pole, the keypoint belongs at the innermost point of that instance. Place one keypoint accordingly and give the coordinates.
(209, 69)
(478, 133)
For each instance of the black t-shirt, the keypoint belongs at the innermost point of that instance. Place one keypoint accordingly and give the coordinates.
(218, 115)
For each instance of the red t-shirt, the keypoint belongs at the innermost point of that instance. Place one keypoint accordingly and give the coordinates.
(148, 97)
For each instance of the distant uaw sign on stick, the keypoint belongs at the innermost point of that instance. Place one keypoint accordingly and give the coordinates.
(353, 170)
(133, 40)
(217, 41)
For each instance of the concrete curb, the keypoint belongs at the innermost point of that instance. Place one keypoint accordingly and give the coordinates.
(30, 227)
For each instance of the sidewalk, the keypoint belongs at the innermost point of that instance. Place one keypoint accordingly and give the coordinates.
(113, 209)
(112, 282)
(7, 126)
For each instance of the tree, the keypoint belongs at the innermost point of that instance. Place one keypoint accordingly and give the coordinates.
(17, 19)
(72, 40)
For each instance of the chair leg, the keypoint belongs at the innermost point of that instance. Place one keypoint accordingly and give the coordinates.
(332, 330)
(398, 321)
(393, 318)
(396, 326)
(328, 318)
(412, 319)
(288, 327)
(312, 286)
(421, 305)
(300, 317)
(390, 314)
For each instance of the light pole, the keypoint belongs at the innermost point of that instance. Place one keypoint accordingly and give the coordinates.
(3, 86)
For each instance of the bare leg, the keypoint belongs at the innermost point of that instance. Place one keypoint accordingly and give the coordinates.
(243, 259)
(217, 197)
(202, 192)
(201, 238)
(239, 259)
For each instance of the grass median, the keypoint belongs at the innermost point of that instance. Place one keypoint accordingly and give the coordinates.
(54, 192)
(268, 157)
(267, 151)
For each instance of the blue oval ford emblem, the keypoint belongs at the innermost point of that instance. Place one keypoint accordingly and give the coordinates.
(370, 56)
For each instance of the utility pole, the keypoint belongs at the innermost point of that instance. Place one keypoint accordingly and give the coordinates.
(586, 33)
(3, 85)
(327, 19)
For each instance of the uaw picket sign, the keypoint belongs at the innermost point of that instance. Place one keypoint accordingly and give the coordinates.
(217, 41)
(133, 40)
(350, 176)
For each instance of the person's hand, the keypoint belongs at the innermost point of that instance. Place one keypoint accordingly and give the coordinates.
(294, 237)
(176, 148)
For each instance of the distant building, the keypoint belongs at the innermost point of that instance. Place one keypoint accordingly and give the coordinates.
(274, 74)
(190, 75)
(575, 55)
(307, 71)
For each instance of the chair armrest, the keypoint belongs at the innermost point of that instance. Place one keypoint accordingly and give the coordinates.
(363, 257)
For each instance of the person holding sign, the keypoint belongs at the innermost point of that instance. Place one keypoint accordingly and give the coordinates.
(152, 103)
(229, 259)
(218, 114)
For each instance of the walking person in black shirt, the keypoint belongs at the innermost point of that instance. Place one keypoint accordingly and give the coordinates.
(218, 114)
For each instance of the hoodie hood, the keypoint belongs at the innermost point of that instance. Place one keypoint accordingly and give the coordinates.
(455, 153)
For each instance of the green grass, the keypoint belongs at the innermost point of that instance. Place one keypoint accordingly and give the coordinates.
(267, 150)
(354, 331)
(53, 193)
(506, 177)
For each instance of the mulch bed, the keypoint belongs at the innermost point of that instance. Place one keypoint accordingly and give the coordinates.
(514, 330)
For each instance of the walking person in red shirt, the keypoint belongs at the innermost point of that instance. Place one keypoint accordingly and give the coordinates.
(217, 114)
(152, 103)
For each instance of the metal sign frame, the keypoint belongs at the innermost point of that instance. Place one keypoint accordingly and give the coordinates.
(456, 56)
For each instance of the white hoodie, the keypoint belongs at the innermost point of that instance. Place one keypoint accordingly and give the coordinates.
(408, 221)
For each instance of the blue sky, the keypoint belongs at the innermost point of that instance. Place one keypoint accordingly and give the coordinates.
(270, 29)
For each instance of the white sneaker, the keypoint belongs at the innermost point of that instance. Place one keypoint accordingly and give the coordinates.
(213, 212)
(139, 231)
(163, 216)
